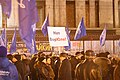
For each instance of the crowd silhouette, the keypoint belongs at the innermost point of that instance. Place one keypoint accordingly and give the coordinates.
(82, 66)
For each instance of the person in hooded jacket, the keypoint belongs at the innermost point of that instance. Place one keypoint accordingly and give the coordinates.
(8, 70)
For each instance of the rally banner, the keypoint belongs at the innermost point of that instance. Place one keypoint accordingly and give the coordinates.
(57, 36)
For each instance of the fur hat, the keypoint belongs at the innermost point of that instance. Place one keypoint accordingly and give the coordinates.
(3, 51)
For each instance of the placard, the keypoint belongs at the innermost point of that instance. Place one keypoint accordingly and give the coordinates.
(57, 36)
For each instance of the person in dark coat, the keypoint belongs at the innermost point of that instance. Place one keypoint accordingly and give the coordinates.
(104, 65)
(40, 68)
(33, 75)
(56, 67)
(20, 66)
(116, 73)
(64, 72)
(74, 63)
(74, 60)
(26, 63)
(8, 70)
(88, 70)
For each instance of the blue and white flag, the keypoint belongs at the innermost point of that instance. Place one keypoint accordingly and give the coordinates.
(44, 26)
(119, 43)
(81, 31)
(3, 41)
(32, 47)
(103, 37)
(6, 7)
(13, 44)
(28, 17)
(68, 37)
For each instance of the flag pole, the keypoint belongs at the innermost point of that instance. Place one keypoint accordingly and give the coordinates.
(91, 42)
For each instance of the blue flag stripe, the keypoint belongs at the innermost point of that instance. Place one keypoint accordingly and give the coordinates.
(44, 26)
(81, 31)
(3, 40)
(6, 7)
(13, 44)
(68, 37)
(28, 17)
(103, 37)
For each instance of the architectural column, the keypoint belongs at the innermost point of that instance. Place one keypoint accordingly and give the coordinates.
(13, 20)
(106, 13)
(49, 10)
(92, 13)
(57, 12)
(116, 14)
(62, 13)
(80, 10)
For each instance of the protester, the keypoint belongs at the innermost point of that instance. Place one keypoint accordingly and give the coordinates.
(88, 70)
(8, 70)
(33, 74)
(41, 70)
(116, 73)
(49, 68)
(74, 63)
(20, 66)
(64, 72)
(55, 65)
(26, 63)
(104, 65)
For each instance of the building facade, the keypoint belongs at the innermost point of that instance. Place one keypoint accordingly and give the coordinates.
(97, 13)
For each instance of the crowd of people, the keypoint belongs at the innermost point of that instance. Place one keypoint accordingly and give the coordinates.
(81, 66)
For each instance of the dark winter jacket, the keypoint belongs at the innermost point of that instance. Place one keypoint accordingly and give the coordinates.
(65, 70)
(88, 70)
(8, 70)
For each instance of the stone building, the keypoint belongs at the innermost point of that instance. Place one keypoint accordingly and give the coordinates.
(96, 13)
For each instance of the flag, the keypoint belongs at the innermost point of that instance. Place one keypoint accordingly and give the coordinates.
(28, 17)
(32, 46)
(6, 7)
(81, 31)
(3, 41)
(68, 38)
(13, 44)
(44, 26)
(119, 43)
(103, 37)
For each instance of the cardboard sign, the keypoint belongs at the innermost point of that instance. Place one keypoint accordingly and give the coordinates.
(57, 36)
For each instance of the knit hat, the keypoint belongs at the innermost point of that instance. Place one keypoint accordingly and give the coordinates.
(3, 51)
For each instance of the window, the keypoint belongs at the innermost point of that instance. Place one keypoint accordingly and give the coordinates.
(70, 14)
(114, 13)
(97, 13)
(87, 12)
(41, 12)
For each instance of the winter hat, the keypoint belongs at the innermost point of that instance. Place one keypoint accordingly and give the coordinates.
(3, 51)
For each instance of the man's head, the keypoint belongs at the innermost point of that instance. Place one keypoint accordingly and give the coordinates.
(90, 54)
(79, 54)
(63, 56)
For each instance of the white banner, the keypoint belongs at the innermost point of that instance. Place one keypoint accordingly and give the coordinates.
(57, 36)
